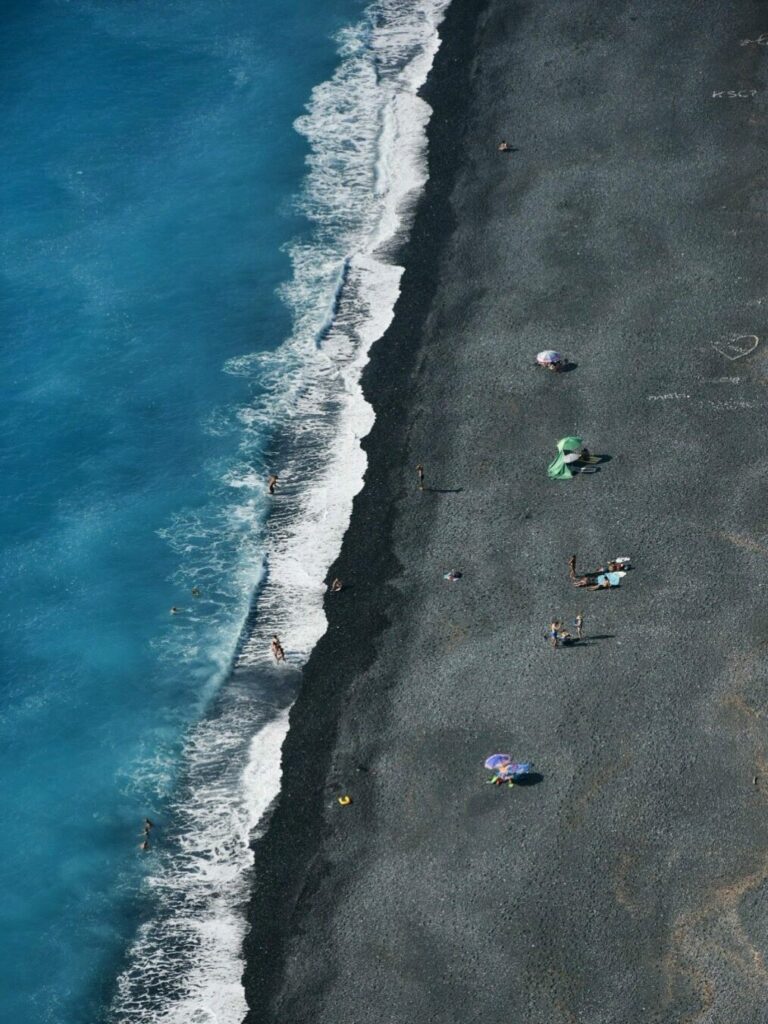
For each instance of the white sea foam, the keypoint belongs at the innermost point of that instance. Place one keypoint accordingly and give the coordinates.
(367, 164)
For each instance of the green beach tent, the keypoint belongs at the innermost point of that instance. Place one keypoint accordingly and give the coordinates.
(569, 449)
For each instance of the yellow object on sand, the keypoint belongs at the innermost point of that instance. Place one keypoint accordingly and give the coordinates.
(345, 800)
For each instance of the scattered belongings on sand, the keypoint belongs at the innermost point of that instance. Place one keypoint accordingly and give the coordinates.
(602, 578)
(606, 580)
(551, 360)
(506, 770)
(570, 450)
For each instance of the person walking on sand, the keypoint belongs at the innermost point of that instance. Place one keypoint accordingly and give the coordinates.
(277, 649)
(579, 624)
(572, 567)
(272, 483)
(420, 476)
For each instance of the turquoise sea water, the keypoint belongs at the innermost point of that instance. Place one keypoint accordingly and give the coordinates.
(200, 201)
(149, 164)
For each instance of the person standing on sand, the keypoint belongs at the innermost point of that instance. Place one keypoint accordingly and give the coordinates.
(554, 632)
(272, 483)
(277, 649)
(572, 567)
(579, 624)
(420, 476)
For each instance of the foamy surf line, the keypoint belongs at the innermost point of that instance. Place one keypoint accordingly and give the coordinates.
(367, 166)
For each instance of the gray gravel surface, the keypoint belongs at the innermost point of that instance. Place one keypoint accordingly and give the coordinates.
(627, 229)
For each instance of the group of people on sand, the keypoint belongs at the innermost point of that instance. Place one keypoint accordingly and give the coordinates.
(603, 578)
(559, 635)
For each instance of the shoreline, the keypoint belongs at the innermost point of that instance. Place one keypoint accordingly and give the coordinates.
(297, 822)
(625, 885)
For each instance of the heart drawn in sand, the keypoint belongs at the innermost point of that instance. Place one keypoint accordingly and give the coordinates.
(740, 345)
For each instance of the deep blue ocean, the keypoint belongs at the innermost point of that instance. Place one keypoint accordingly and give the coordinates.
(153, 222)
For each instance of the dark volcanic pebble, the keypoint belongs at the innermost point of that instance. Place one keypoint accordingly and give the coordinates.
(627, 885)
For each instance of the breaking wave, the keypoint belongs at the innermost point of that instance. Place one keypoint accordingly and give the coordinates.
(366, 167)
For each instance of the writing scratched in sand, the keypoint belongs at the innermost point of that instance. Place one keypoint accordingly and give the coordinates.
(731, 405)
(733, 94)
(738, 346)
(762, 40)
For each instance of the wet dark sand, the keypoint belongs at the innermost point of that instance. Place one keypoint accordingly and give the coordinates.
(628, 229)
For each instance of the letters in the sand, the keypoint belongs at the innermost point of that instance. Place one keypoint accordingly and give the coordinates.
(733, 94)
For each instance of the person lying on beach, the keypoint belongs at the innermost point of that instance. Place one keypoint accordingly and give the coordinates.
(504, 147)
(606, 580)
(452, 576)
(584, 581)
(277, 649)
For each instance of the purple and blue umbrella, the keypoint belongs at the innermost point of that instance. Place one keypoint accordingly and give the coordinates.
(505, 768)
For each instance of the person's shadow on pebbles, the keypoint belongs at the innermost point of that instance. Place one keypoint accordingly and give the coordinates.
(531, 779)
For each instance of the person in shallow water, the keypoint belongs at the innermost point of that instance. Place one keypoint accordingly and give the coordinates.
(277, 649)
(148, 826)
(272, 483)
(336, 586)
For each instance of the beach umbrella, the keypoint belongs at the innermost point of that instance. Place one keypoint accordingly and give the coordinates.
(548, 357)
(496, 760)
(505, 768)
(569, 449)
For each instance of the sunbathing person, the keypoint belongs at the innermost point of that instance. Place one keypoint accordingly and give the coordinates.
(606, 580)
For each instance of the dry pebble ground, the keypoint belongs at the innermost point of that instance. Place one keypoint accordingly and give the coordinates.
(628, 885)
